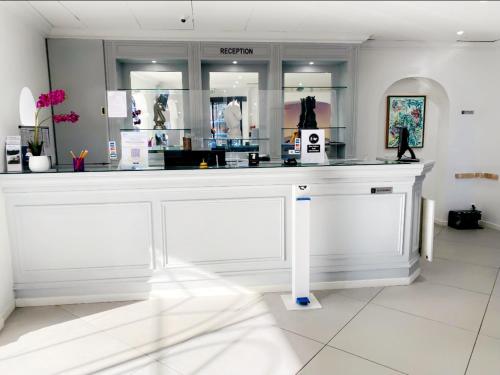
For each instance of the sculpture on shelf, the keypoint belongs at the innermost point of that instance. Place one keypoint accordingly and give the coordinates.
(310, 121)
(302, 118)
(404, 145)
(136, 121)
(159, 107)
(307, 119)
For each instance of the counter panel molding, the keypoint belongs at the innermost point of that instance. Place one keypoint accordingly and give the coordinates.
(336, 218)
(104, 236)
(222, 230)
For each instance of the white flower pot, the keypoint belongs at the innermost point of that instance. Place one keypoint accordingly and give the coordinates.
(39, 163)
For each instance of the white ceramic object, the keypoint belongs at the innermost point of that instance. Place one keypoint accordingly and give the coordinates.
(39, 163)
(27, 107)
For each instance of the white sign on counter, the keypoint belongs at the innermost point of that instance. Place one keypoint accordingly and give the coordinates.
(313, 146)
(117, 104)
(134, 150)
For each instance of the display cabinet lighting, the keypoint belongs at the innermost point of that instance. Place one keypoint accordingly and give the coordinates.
(235, 62)
(153, 61)
(311, 62)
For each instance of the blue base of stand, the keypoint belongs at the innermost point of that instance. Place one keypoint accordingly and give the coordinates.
(303, 301)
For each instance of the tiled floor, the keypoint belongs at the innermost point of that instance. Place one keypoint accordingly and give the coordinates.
(447, 322)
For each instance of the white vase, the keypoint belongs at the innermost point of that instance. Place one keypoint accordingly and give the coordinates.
(39, 163)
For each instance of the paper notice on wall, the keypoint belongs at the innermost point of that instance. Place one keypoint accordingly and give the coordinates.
(134, 150)
(313, 146)
(117, 104)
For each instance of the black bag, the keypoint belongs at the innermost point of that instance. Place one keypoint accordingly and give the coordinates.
(464, 219)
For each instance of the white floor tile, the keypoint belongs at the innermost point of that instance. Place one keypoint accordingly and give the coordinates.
(406, 343)
(438, 229)
(334, 361)
(85, 309)
(491, 323)
(241, 349)
(457, 307)
(143, 365)
(321, 324)
(363, 294)
(496, 289)
(467, 252)
(486, 357)
(478, 237)
(71, 347)
(458, 274)
(25, 320)
(153, 325)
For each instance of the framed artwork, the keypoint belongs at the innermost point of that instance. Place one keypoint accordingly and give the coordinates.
(409, 112)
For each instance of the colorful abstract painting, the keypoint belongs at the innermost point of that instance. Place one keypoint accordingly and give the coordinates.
(407, 112)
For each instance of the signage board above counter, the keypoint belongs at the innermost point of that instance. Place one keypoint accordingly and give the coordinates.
(236, 51)
(245, 51)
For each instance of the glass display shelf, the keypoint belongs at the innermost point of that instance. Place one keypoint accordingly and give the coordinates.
(156, 90)
(89, 168)
(160, 149)
(330, 127)
(316, 87)
(236, 144)
(150, 109)
(160, 140)
(154, 130)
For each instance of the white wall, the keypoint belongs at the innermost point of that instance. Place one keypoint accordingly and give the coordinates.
(23, 63)
(470, 77)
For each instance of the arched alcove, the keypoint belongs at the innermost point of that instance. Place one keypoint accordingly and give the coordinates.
(435, 134)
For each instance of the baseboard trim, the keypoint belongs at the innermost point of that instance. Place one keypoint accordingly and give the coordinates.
(67, 300)
(6, 313)
(204, 291)
(484, 223)
(440, 222)
(489, 224)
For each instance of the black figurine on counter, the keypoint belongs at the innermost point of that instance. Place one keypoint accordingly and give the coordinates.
(404, 145)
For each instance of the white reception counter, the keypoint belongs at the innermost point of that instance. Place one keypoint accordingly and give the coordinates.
(103, 236)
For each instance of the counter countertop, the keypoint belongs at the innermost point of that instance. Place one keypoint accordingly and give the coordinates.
(230, 166)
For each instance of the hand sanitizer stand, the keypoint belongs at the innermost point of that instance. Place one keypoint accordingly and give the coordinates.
(301, 298)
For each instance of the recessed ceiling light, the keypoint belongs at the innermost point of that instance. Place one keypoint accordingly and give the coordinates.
(236, 82)
(153, 61)
(460, 32)
(235, 62)
(234, 86)
(300, 83)
(311, 62)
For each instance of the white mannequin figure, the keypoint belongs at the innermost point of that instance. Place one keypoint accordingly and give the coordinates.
(232, 116)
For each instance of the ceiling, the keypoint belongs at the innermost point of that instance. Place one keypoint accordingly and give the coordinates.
(312, 21)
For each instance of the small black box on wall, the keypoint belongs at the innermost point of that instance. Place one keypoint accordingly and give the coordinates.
(464, 219)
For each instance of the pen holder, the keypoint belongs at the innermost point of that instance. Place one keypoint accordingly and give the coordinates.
(78, 164)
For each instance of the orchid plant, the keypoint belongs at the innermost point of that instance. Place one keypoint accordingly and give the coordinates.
(51, 98)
